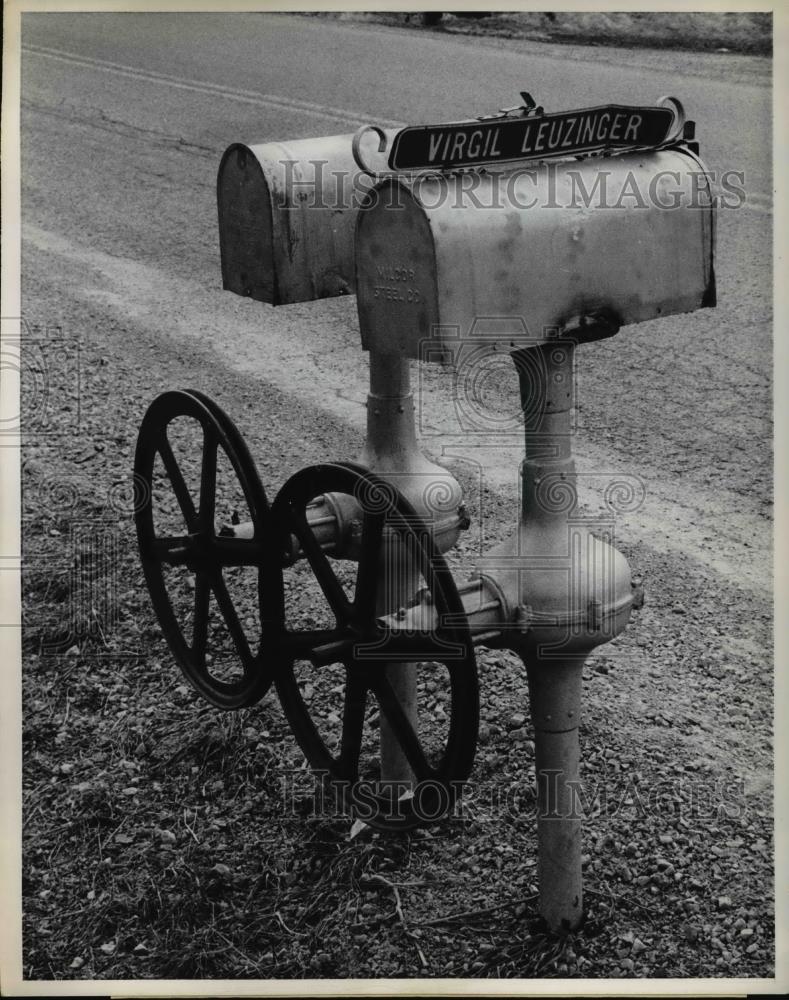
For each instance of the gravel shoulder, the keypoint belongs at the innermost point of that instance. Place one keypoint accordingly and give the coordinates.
(176, 857)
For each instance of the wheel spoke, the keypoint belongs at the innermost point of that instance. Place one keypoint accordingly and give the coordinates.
(352, 722)
(180, 488)
(208, 480)
(200, 623)
(231, 618)
(325, 575)
(401, 727)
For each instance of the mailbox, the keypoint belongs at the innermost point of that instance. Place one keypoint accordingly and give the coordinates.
(287, 212)
(543, 250)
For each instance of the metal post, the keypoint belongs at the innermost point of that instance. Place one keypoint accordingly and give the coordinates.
(396, 772)
(390, 450)
(554, 657)
(555, 696)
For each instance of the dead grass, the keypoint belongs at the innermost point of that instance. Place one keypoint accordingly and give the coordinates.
(742, 32)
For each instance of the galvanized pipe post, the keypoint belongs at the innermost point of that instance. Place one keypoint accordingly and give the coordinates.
(554, 657)
(555, 699)
(391, 451)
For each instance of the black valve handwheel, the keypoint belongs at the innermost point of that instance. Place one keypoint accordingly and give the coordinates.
(364, 646)
(202, 551)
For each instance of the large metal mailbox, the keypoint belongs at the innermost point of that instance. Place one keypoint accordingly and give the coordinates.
(543, 250)
(287, 212)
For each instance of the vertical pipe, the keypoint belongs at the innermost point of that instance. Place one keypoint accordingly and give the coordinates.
(555, 697)
(390, 445)
(554, 661)
(398, 582)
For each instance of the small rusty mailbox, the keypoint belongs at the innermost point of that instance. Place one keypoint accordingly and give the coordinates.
(287, 212)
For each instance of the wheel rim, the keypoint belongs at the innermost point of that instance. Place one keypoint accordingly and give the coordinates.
(358, 645)
(203, 559)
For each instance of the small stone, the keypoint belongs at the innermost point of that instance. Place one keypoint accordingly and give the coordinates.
(72, 651)
(222, 870)
(691, 932)
(679, 609)
(638, 947)
(77, 963)
(483, 735)
(624, 873)
(666, 838)
(724, 902)
(516, 721)
(746, 932)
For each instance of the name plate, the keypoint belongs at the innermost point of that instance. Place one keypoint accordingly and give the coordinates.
(501, 140)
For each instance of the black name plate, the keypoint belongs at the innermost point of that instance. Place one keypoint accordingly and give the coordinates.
(500, 140)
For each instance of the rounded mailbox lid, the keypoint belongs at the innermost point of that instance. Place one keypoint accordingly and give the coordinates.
(516, 258)
(287, 212)
(396, 272)
(245, 225)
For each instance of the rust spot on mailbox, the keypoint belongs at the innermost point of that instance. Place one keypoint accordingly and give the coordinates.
(534, 247)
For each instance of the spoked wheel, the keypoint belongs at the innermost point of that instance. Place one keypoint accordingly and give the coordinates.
(192, 471)
(332, 679)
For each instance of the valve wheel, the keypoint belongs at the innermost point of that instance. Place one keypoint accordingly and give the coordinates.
(347, 657)
(193, 570)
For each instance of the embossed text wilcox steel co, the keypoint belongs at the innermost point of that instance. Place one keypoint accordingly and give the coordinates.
(437, 275)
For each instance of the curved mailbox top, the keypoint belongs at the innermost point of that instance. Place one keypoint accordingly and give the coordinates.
(287, 212)
(516, 258)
